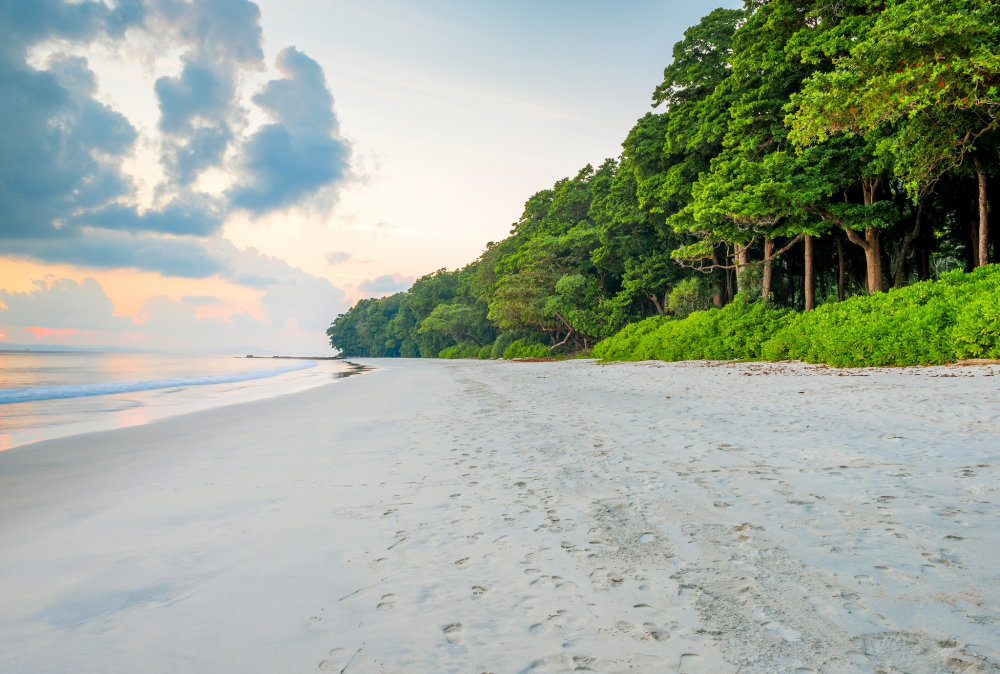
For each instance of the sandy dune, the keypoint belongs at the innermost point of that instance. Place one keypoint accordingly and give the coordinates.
(477, 517)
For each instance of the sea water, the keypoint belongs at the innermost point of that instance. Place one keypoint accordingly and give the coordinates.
(54, 394)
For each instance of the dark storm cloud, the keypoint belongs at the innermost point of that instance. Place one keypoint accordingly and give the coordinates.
(299, 153)
(63, 194)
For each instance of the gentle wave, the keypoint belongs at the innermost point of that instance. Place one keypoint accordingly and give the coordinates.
(24, 395)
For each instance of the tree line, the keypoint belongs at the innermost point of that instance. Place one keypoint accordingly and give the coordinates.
(797, 153)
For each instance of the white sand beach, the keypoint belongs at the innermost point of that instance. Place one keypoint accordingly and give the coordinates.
(466, 516)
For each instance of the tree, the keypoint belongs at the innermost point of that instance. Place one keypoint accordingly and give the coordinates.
(454, 320)
(926, 75)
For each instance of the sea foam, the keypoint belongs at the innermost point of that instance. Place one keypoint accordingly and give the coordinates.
(23, 395)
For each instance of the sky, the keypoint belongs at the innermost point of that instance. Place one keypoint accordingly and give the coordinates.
(229, 176)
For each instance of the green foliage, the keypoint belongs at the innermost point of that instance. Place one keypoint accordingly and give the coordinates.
(927, 323)
(737, 331)
(524, 348)
(365, 329)
(625, 344)
(923, 72)
(455, 320)
(503, 341)
(688, 296)
(786, 118)
(466, 350)
(405, 324)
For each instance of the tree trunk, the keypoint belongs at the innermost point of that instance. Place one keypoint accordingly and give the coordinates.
(901, 258)
(717, 286)
(840, 268)
(983, 247)
(656, 302)
(972, 256)
(809, 283)
(742, 262)
(768, 272)
(871, 244)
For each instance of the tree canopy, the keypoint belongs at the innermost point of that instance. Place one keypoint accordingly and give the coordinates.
(798, 152)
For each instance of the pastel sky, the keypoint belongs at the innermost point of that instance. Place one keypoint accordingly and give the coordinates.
(225, 175)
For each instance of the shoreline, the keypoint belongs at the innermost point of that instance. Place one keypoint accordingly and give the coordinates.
(150, 413)
(461, 514)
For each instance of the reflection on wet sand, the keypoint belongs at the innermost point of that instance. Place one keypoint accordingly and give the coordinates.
(355, 368)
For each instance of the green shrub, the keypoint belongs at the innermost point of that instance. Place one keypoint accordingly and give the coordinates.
(926, 323)
(464, 350)
(502, 342)
(523, 348)
(738, 330)
(486, 353)
(623, 346)
(690, 295)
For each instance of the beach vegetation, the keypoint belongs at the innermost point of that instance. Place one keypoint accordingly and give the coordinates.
(814, 181)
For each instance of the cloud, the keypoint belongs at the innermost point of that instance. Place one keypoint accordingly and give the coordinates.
(386, 285)
(199, 107)
(62, 304)
(337, 257)
(297, 310)
(60, 150)
(172, 256)
(64, 194)
(201, 300)
(299, 153)
(255, 280)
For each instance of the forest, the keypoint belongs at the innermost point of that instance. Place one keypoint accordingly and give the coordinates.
(814, 181)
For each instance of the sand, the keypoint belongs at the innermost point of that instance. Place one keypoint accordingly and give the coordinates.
(463, 516)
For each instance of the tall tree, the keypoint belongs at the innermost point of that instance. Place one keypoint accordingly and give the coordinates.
(925, 75)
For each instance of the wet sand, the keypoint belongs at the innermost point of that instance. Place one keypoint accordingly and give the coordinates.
(438, 516)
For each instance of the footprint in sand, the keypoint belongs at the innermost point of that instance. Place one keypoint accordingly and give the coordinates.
(462, 563)
(818, 604)
(452, 632)
(479, 590)
(337, 660)
(656, 632)
(563, 586)
(786, 633)
(388, 602)
(628, 628)
(691, 663)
